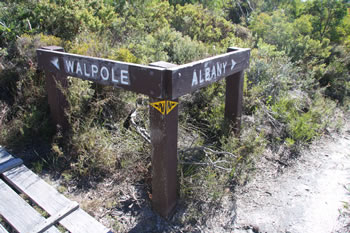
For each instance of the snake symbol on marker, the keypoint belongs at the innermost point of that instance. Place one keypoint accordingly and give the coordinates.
(164, 106)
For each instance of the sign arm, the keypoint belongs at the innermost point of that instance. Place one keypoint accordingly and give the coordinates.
(164, 83)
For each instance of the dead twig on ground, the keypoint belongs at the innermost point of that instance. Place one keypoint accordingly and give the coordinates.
(142, 131)
(275, 123)
(210, 162)
(207, 149)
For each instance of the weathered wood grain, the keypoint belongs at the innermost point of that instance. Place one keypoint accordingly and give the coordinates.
(193, 76)
(7, 161)
(55, 218)
(233, 100)
(51, 201)
(137, 78)
(164, 130)
(10, 164)
(81, 222)
(37, 189)
(156, 82)
(18, 213)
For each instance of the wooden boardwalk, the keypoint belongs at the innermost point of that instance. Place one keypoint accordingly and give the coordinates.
(16, 179)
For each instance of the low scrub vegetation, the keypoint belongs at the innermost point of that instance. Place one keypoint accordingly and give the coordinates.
(296, 89)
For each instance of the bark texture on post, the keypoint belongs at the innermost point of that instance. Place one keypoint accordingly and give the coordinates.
(164, 130)
(56, 99)
(233, 101)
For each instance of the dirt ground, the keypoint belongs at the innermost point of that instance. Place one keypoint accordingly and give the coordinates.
(306, 194)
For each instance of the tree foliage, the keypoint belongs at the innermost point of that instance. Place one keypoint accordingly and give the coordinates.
(299, 69)
(327, 15)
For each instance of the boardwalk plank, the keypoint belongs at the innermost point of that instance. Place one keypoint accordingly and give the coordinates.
(18, 212)
(4, 155)
(7, 161)
(55, 218)
(81, 222)
(51, 201)
(10, 164)
(37, 189)
(2, 229)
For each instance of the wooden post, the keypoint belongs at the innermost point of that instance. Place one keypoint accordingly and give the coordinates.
(233, 101)
(164, 83)
(164, 129)
(56, 99)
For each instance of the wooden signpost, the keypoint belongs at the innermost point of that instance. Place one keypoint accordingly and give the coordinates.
(164, 83)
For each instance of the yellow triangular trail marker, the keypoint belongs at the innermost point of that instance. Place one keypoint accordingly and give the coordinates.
(164, 106)
(170, 106)
(160, 106)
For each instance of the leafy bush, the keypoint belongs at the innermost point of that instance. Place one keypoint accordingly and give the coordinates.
(295, 38)
(24, 89)
(200, 24)
(279, 95)
(272, 72)
(92, 148)
(248, 148)
(139, 19)
(169, 45)
(292, 57)
(336, 75)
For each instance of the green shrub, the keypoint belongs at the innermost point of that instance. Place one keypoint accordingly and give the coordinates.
(27, 121)
(168, 45)
(248, 148)
(92, 151)
(138, 19)
(200, 24)
(28, 44)
(68, 18)
(297, 125)
(272, 72)
(292, 36)
(124, 54)
(335, 77)
(24, 89)
(304, 119)
(282, 99)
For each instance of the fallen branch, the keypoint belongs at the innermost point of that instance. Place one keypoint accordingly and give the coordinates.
(206, 149)
(210, 163)
(219, 152)
(275, 123)
(143, 132)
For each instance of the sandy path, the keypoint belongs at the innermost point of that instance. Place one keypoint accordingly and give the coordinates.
(306, 198)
